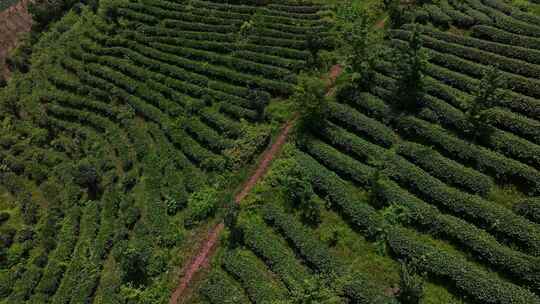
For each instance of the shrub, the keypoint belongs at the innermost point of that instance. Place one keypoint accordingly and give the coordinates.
(529, 208)
(479, 285)
(203, 204)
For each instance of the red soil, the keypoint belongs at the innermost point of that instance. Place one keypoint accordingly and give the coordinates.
(14, 21)
(380, 24)
(207, 248)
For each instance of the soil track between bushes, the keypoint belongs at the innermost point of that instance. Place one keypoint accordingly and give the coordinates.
(202, 258)
(14, 21)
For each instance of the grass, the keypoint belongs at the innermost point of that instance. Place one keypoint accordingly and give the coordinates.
(506, 196)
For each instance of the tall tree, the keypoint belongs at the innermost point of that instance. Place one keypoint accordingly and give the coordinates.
(310, 102)
(487, 93)
(411, 62)
(361, 43)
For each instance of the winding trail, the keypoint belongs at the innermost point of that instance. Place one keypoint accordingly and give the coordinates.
(207, 247)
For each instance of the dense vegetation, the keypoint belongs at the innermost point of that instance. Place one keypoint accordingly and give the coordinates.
(130, 130)
(418, 180)
(412, 178)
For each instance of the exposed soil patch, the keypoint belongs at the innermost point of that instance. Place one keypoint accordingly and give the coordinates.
(207, 248)
(14, 21)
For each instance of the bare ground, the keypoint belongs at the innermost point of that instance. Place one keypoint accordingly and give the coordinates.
(202, 258)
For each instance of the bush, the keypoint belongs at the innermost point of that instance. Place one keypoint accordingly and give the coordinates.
(529, 208)
(411, 285)
(203, 204)
(279, 258)
(480, 285)
(4, 217)
(258, 285)
(483, 245)
(220, 288)
(494, 34)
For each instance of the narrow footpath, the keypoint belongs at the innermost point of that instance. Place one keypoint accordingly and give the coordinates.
(207, 247)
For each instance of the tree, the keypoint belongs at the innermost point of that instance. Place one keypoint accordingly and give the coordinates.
(411, 284)
(303, 197)
(310, 102)
(260, 100)
(362, 45)
(396, 13)
(133, 259)
(314, 43)
(202, 204)
(86, 175)
(487, 94)
(411, 64)
(236, 236)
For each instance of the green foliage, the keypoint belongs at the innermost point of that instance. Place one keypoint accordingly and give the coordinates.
(484, 99)
(315, 291)
(361, 45)
(411, 284)
(202, 204)
(310, 100)
(411, 64)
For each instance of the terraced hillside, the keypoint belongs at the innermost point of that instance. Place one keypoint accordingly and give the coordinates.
(418, 187)
(129, 131)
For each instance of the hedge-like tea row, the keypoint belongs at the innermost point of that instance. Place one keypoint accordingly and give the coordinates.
(206, 135)
(474, 208)
(269, 11)
(219, 288)
(449, 171)
(221, 123)
(511, 51)
(164, 14)
(529, 208)
(259, 285)
(505, 22)
(327, 184)
(242, 65)
(218, 72)
(485, 247)
(451, 83)
(480, 158)
(437, 16)
(515, 66)
(478, 284)
(369, 104)
(215, 5)
(165, 147)
(343, 165)
(316, 255)
(359, 123)
(81, 267)
(494, 34)
(518, 83)
(525, 127)
(498, 140)
(193, 84)
(278, 257)
(478, 16)
(57, 259)
(513, 12)
(297, 9)
(524, 104)
(305, 243)
(458, 18)
(290, 64)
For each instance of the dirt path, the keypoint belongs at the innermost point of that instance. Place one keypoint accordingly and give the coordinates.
(207, 248)
(14, 21)
(380, 24)
(202, 258)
